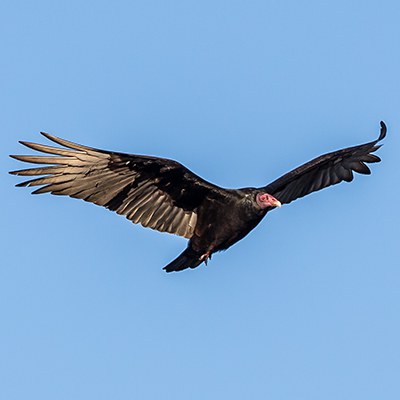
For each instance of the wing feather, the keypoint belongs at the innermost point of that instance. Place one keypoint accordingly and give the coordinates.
(326, 170)
(158, 193)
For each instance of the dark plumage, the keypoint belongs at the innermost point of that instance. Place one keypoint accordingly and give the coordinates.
(164, 195)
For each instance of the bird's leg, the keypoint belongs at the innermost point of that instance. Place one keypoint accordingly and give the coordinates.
(206, 256)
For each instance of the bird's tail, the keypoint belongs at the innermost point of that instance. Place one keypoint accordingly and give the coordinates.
(188, 259)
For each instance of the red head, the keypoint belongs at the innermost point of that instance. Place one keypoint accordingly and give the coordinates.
(266, 200)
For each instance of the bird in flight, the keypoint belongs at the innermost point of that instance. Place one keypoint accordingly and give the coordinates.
(164, 195)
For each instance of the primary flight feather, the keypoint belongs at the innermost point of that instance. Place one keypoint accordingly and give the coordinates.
(164, 195)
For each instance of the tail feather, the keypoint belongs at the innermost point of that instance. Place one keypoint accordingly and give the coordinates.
(188, 259)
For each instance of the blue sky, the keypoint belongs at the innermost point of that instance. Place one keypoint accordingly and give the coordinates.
(305, 307)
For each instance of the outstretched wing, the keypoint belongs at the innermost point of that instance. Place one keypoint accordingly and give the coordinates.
(158, 193)
(326, 170)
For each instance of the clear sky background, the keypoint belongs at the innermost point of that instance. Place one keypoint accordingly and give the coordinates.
(307, 306)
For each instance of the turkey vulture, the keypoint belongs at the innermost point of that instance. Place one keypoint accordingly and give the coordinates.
(163, 194)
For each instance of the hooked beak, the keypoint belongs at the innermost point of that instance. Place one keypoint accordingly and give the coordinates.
(277, 203)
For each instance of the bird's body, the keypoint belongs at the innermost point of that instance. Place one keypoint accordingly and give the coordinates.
(164, 195)
(221, 223)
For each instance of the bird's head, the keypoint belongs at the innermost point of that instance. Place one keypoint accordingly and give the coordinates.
(265, 200)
